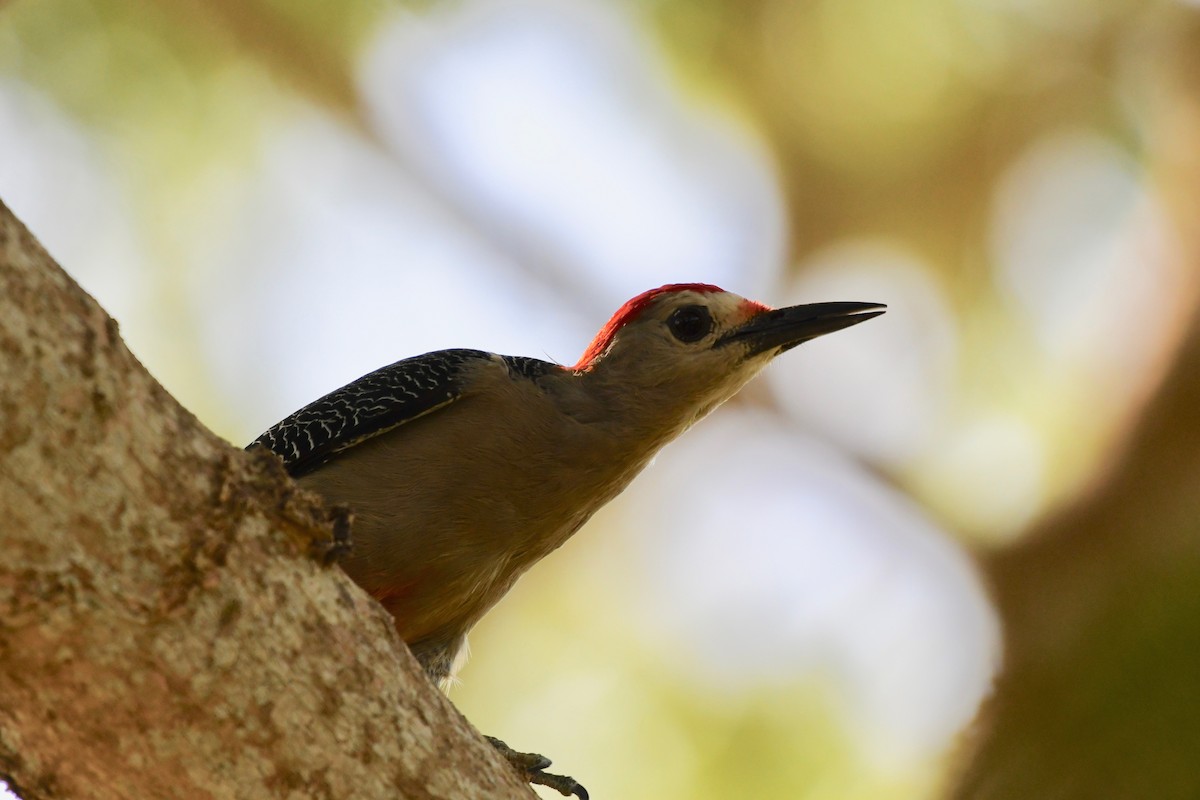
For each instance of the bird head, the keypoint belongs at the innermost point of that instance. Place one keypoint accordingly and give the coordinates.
(688, 347)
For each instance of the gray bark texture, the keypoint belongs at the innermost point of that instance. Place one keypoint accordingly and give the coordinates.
(165, 629)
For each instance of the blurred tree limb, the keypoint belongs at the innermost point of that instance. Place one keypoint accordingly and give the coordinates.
(164, 630)
(1101, 689)
(1101, 606)
(314, 63)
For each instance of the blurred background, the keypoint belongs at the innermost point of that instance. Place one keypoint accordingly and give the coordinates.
(811, 594)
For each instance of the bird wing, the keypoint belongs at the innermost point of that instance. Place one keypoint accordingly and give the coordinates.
(370, 406)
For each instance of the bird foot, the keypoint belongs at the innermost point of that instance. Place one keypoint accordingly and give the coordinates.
(531, 766)
(340, 544)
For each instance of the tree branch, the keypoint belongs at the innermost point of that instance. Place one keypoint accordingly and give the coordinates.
(1100, 605)
(164, 630)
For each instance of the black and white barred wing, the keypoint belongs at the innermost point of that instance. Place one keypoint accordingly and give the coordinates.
(372, 405)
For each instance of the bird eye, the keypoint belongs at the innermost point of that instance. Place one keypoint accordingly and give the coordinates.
(690, 323)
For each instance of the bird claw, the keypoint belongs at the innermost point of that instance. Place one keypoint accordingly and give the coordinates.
(563, 784)
(333, 550)
(531, 766)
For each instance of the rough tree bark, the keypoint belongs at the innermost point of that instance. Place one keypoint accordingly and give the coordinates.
(165, 631)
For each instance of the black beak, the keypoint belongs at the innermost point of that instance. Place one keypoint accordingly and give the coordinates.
(784, 328)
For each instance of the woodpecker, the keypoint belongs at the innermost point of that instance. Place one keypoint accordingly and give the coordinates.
(464, 468)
